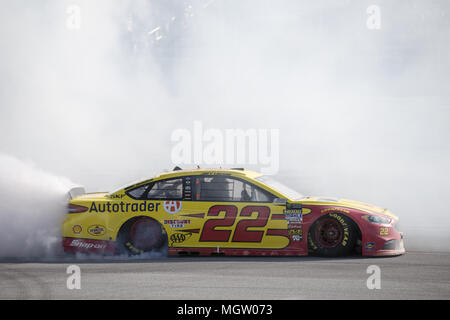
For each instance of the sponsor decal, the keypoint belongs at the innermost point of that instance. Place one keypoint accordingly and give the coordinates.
(293, 215)
(338, 209)
(77, 229)
(292, 232)
(86, 244)
(172, 207)
(96, 230)
(339, 218)
(294, 225)
(177, 223)
(296, 234)
(179, 238)
(117, 196)
(370, 245)
(142, 206)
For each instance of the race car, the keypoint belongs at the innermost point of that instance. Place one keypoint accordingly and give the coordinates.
(225, 212)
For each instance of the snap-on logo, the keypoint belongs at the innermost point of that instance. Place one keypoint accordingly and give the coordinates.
(86, 244)
(172, 207)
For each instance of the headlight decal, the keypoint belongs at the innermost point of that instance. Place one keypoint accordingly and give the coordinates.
(376, 219)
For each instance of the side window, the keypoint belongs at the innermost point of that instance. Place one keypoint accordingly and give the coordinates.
(260, 195)
(171, 189)
(138, 192)
(223, 188)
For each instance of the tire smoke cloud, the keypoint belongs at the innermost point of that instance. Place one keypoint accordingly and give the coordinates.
(358, 91)
(33, 205)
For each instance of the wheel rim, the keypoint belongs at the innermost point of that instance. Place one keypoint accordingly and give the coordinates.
(144, 234)
(329, 233)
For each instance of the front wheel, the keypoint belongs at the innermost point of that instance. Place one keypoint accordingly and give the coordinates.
(332, 235)
(140, 235)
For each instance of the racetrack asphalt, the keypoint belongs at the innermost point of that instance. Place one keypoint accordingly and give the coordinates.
(415, 275)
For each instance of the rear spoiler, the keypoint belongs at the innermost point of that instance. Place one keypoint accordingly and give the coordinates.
(75, 192)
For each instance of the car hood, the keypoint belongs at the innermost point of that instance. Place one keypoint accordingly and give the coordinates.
(349, 204)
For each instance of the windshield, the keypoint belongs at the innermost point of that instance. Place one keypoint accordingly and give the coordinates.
(128, 185)
(281, 188)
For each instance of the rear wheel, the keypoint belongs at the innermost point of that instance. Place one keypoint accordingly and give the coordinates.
(332, 235)
(141, 234)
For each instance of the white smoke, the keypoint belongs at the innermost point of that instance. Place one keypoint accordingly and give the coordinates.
(33, 205)
(362, 113)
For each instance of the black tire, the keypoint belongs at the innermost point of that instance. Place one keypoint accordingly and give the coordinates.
(140, 235)
(332, 235)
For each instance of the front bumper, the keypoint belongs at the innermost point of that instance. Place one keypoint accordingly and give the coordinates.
(383, 241)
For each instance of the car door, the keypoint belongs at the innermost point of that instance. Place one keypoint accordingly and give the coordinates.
(238, 214)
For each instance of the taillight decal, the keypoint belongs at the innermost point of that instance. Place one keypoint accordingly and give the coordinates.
(75, 208)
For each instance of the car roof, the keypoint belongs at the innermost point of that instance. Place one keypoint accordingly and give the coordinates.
(199, 171)
(206, 171)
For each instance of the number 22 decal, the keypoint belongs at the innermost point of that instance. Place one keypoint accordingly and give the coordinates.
(241, 234)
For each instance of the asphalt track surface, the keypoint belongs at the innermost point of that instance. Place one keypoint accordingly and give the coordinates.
(415, 275)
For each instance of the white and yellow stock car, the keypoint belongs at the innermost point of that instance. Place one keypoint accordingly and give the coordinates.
(225, 212)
